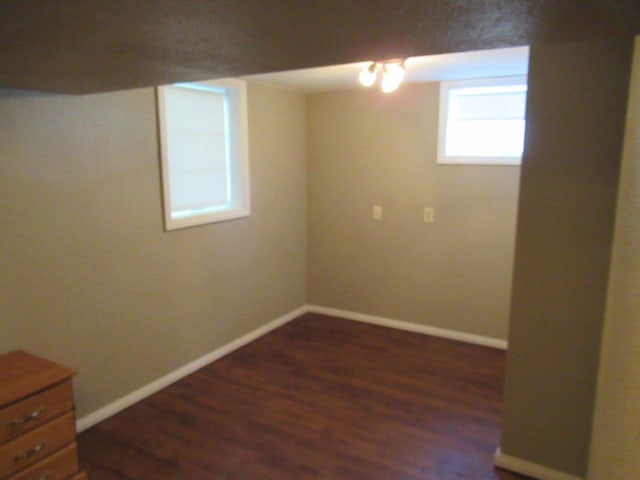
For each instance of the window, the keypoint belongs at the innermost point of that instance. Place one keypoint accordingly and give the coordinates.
(482, 121)
(204, 152)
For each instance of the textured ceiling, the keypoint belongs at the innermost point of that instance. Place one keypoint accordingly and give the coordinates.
(82, 46)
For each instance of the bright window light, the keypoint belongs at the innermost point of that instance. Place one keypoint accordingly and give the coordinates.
(204, 152)
(482, 121)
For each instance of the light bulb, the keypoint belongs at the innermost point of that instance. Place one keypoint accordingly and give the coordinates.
(388, 85)
(392, 76)
(368, 75)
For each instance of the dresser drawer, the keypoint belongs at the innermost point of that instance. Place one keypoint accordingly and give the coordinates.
(59, 466)
(37, 444)
(33, 411)
(80, 476)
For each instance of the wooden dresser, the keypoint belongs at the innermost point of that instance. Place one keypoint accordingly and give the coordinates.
(37, 420)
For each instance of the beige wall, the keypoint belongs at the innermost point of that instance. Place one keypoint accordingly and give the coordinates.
(365, 149)
(615, 447)
(90, 278)
(8, 336)
(575, 123)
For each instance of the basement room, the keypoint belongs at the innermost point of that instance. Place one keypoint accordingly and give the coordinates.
(319, 240)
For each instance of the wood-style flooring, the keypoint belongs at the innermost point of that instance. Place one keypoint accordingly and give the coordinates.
(319, 398)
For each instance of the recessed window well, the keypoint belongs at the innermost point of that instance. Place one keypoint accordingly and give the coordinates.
(482, 121)
(204, 152)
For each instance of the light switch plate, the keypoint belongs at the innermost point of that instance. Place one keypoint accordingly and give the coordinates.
(428, 215)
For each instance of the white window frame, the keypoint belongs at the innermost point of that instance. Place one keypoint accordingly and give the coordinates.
(445, 92)
(236, 121)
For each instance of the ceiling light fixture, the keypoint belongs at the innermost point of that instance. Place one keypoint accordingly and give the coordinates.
(392, 75)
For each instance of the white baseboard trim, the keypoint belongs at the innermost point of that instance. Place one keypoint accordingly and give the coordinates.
(120, 404)
(412, 327)
(105, 412)
(530, 469)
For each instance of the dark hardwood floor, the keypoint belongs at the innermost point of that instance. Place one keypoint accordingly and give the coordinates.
(319, 398)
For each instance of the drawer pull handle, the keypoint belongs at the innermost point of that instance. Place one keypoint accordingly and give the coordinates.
(27, 418)
(46, 476)
(30, 453)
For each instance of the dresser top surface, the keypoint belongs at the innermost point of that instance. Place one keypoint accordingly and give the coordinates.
(22, 374)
